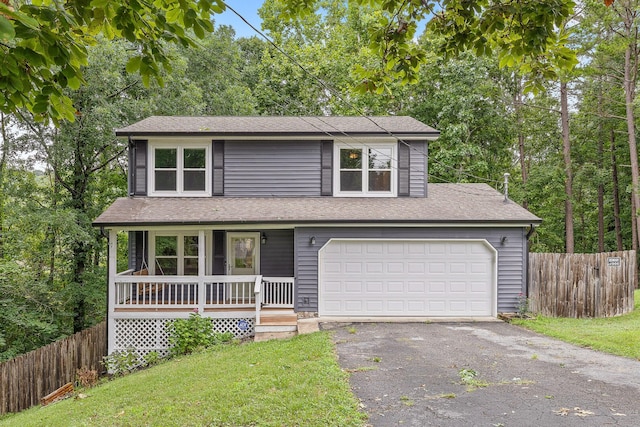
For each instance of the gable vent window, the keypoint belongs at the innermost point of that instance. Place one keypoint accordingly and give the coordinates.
(180, 170)
(365, 170)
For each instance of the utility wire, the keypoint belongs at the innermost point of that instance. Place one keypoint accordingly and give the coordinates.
(339, 96)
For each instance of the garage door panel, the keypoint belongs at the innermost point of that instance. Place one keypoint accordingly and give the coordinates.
(353, 267)
(375, 248)
(355, 306)
(416, 306)
(394, 267)
(416, 267)
(437, 248)
(393, 286)
(375, 287)
(437, 267)
(458, 287)
(458, 268)
(478, 287)
(375, 307)
(417, 278)
(353, 249)
(374, 267)
(416, 249)
(353, 287)
(332, 267)
(416, 287)
(394, 248)
(436, 288)
(437, 307)
(332, 287)
(397, 306)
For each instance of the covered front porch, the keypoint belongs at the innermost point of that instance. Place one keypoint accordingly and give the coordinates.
(170, 275)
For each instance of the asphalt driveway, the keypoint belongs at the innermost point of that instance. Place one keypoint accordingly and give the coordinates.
(411, 374)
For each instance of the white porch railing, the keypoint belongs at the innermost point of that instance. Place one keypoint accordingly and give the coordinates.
(277, 292)
(209, 292)
(274, 292)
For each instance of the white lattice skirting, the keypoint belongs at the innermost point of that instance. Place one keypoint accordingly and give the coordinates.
(147, 335)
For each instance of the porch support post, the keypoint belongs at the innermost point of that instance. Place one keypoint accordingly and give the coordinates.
(111, 286)
(201, 272)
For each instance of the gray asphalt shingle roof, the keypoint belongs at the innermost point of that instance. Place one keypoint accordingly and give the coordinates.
(278, 125)
(447, 203)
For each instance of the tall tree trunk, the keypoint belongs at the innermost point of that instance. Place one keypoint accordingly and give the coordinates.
(629, 93)
(600, 163)
(568, 181)
(517, 104)
(634, 233)
(616, 194)
(3, 167)
(627, 11)
(80, 248)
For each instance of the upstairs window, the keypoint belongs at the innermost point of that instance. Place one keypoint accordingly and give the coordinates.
(180, 170)
(365, 170)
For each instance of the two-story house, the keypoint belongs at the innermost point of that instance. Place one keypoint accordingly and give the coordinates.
(249, 218)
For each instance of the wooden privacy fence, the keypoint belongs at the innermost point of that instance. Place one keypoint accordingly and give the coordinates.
(582, 285)
(28, 377)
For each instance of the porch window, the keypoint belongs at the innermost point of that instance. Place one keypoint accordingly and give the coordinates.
(176, 255)
(365, 169)
(180, 169)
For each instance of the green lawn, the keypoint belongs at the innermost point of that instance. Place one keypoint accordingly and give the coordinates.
(616, 335)
(295, 382)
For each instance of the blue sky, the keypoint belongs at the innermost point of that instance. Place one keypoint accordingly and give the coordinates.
(248, 9)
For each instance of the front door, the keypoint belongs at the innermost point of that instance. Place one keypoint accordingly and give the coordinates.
(243, 253)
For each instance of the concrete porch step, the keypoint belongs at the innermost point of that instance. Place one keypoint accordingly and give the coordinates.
(276, 324)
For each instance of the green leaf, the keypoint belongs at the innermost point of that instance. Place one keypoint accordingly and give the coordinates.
(173, 15)
(133, 64)
(100, 3)
(74, 83)
(7, 32)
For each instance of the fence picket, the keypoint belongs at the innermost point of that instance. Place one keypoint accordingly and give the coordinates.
(582, 285)
(28, 377)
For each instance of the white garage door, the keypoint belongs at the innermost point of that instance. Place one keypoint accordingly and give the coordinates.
(407, 278)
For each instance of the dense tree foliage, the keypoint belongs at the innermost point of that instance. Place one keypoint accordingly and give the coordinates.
(55, 180)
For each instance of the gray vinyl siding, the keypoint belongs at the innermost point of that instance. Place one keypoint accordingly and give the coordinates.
(511, 256)
(418, 169)
(276, 256)
(274, 168)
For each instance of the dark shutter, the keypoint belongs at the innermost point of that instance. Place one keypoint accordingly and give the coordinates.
(326, 177)
(218, 168)
(137, 249)
(138, 165)
(219, 239)
(403, 168)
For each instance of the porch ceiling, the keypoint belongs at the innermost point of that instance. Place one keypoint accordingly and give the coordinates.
(447, 203)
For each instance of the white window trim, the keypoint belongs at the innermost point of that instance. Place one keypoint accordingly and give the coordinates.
(180, 147)
(180, 235)
(365, 170)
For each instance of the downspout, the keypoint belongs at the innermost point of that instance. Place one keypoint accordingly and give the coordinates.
(530, 232)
